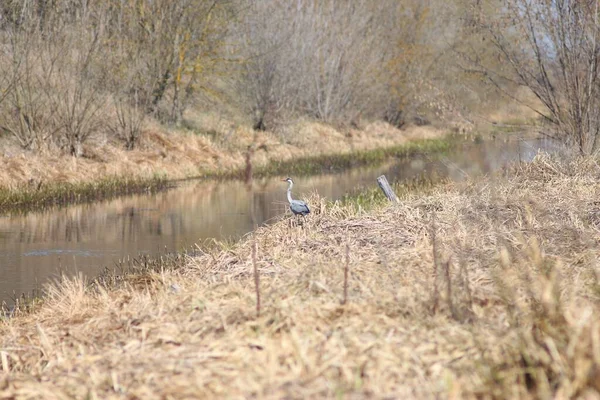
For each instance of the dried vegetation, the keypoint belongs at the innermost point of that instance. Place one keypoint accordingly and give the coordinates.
(28, 183)
(484, 289)
(219, 147)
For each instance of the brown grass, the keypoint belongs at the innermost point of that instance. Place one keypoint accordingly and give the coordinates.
(219, 146)
(514, 271)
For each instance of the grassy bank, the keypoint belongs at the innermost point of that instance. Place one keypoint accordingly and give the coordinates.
(486, 289)
(39, 196)
(38, 193)
(214, 146)
(326, 163)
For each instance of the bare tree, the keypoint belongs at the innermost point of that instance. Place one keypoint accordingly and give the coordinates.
(338, 62)
(52, 57)
(129, 116)
(262, 40)
(22, 107)
(65, 60)
(552, 48)
(75, 92)
(176, 41)
(72, 68)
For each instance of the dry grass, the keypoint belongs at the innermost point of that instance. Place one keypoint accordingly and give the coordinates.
(220, 146)
(506, 306)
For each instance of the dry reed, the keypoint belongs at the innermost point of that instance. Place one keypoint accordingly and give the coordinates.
(256, 278)
(524, 325)
(184, 154)
(346, 273)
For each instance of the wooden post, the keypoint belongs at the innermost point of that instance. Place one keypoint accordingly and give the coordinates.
(387, 189)
(346, 268)
(256, 276)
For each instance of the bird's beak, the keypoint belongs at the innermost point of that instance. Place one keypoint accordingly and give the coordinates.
(284, 180)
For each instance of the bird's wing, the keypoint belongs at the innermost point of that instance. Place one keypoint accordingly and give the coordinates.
(300, 206)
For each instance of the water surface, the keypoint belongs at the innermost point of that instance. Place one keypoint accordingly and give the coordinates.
(86, 238)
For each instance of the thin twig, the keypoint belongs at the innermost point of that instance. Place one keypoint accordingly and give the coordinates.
(464, 272)
(256, 277)
(249, 186)
(449, 290)
(436, 292)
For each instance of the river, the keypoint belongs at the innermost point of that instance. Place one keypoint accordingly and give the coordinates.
(37, 246)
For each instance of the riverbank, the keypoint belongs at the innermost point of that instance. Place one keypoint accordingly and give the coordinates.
(218, 146)
(35, 181)
(39, 196)
(481, 289)
(337, 162)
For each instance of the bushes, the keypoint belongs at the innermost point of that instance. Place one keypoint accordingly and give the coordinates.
(72, 69)
(340, 62)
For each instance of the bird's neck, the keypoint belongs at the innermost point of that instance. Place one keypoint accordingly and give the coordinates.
(289, 192)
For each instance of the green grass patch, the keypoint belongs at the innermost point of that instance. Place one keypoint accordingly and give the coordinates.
(36, 197)
(328, 163)
(499, 129)
(369, 198)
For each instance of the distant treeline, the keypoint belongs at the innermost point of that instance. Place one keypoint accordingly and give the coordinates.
(71, 69)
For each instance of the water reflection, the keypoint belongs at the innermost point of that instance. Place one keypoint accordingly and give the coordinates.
(89, 237)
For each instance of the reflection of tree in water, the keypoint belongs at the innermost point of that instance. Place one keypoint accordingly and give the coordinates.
(73, 229)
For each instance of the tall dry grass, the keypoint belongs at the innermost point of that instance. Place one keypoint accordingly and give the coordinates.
(190, 153)
(506, 306)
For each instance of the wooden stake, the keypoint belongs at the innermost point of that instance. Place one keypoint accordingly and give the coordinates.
(256, 277)
(387, 189)
(346, 271)
(436, 290)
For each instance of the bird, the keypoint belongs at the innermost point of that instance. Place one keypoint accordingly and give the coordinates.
(298, 207)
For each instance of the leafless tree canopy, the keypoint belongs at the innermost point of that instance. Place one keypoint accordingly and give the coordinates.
(552, 48)
(342, 61)
(72, 69)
